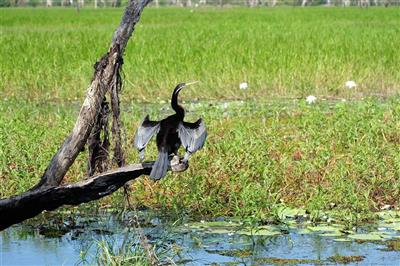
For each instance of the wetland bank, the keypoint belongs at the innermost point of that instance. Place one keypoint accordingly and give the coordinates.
(337, 160)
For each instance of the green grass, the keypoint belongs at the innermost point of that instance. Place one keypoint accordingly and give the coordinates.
(259, 155)
(108, 252)
(49, 53)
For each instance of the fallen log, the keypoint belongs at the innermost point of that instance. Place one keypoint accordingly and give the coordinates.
(32, 202)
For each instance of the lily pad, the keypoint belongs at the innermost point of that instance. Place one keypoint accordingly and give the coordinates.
(218, 230)
(213, 227)
(342, 240)
(260, 231)
(324, 228)
(374, 236)
(286, 212)
(333, 234)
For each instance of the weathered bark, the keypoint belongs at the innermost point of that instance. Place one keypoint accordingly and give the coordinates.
(48, 194)
(128, 22)
(31, 203)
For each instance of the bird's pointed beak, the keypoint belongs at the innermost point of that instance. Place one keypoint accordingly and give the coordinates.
(183, 85)
(191, 83)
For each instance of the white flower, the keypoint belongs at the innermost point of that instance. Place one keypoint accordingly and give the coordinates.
(243, 86)
(350, 84)
(202, 221)
(311, 99)
(196, 5)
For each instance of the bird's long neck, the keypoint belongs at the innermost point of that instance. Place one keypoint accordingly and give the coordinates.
(174, 104)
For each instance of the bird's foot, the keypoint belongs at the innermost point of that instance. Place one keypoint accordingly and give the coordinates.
(178, 165)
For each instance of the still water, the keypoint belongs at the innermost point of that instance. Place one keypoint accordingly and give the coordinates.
(75, 240)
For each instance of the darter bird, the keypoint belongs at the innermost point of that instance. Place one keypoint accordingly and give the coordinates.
(171, 133)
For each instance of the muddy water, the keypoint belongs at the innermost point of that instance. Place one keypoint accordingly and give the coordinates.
(224, 242)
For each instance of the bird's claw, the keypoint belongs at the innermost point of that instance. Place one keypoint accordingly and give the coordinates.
(178, 165)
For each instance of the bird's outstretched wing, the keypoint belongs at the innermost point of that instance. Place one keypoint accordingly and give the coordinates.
(192, 135)
(145, 132)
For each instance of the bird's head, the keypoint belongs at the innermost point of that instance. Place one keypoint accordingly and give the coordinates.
(180, 86)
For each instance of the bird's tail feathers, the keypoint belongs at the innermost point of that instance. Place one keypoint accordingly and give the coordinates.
(160, 167)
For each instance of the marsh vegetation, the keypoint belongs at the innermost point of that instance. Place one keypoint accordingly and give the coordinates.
(337, 158)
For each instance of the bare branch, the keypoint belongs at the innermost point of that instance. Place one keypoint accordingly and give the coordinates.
(128, 22)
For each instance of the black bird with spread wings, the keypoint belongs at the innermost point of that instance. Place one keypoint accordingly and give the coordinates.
(171, 133)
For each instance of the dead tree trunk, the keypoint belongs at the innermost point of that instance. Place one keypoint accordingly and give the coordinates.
(48, 194)
(104, 78)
